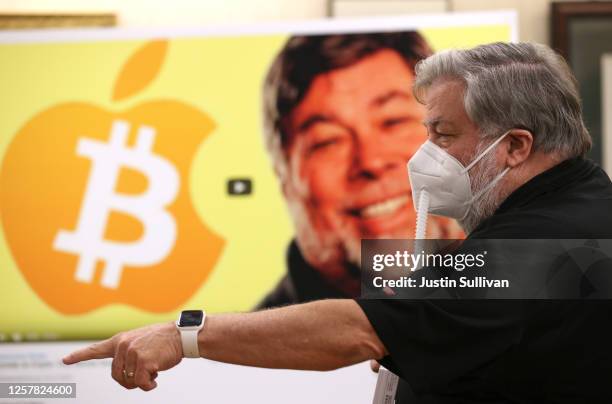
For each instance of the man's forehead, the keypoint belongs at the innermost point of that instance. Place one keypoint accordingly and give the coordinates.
(443, 90)
(371, 82)
(443, 98)
(370, 74)
(444, 106)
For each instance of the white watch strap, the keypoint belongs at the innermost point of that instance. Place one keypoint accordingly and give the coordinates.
(189, 338)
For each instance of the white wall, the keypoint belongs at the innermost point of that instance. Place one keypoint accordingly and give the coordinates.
(534, 15)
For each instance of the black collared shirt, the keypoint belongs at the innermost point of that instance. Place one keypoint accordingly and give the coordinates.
(486, 351)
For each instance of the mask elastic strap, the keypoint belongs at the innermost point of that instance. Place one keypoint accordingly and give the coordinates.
(421, 221)
(485, 189)
(484, 153)
(490, 185)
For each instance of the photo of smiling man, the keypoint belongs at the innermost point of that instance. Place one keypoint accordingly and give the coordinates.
(341, 123)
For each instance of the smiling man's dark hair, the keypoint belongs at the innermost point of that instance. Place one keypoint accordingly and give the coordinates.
(305, 57)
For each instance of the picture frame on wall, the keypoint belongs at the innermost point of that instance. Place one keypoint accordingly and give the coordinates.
(581, 31)
(48, 20)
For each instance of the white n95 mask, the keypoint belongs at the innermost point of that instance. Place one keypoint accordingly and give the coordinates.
(445, 180)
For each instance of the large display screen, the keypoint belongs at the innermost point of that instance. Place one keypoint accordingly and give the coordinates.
(147, 172)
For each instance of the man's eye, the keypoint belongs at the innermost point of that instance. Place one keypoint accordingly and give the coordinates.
(320, 145)
(443, 139)
(391, 123)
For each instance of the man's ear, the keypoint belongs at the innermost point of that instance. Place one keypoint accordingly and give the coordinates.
(281, 171)
(519, 146)
(284, 185)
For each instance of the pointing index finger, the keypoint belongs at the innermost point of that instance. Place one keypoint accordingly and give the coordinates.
(99, 350)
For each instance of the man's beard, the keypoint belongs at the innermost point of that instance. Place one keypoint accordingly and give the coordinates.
(483, 173)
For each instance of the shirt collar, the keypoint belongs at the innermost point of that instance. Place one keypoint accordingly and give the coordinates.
(563, 174)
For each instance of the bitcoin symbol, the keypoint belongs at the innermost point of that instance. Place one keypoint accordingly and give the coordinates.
(159, 234)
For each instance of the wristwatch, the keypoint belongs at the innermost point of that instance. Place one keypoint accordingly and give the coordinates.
(189, 323)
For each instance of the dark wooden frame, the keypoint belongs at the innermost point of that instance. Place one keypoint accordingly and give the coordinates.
(561, 14)
(36, 21)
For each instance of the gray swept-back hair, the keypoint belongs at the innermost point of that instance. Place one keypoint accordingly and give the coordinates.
(515, 85)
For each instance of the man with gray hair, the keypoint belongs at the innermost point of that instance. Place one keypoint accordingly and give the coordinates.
(510, 115)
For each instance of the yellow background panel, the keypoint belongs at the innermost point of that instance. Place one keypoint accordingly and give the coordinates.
(222, 77)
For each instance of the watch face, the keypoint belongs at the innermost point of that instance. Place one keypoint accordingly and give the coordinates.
(190, 318)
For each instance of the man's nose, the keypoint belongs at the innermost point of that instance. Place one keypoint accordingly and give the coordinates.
(371, 159)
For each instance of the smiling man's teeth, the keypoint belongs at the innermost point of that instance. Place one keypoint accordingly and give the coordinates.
(383, 208)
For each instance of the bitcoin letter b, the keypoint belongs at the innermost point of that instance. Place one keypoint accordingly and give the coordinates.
(159, 235)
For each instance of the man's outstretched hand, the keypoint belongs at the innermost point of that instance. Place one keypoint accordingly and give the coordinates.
(137, 354)
(320, 335)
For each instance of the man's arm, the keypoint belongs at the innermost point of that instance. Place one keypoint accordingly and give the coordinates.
(321, 335)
